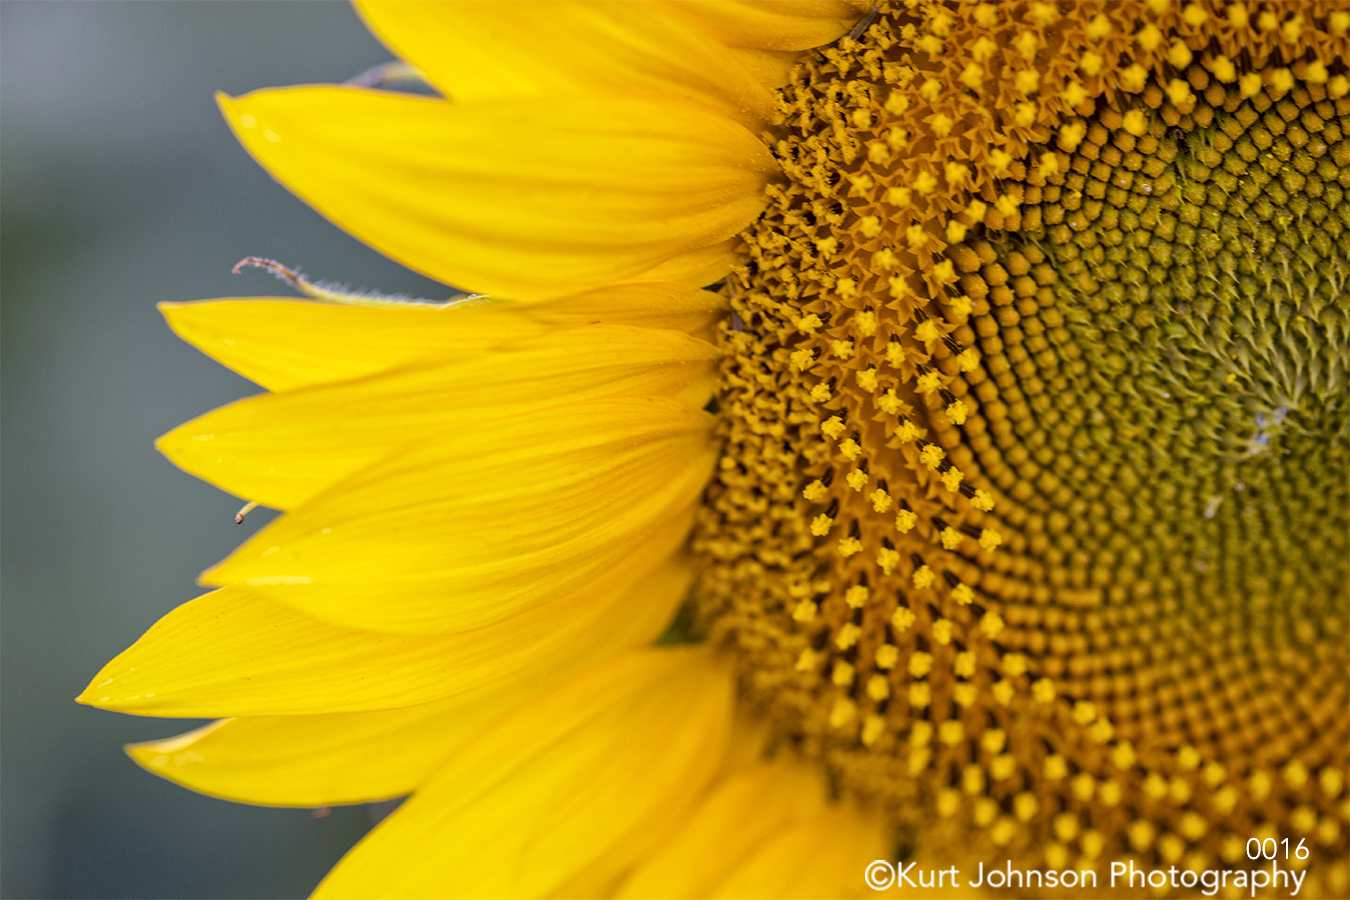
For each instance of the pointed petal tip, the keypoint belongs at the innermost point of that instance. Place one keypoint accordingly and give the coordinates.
(97, 695)
(139, 752)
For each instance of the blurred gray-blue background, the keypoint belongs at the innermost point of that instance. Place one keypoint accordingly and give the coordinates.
(122, 187)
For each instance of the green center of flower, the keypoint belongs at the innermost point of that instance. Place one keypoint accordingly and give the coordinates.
(1033, 512)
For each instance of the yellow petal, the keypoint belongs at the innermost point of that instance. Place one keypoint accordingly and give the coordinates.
(281, 450)
(645, 304)
(555, 788)
(232, 652)
(772, 24)
(477, 51)
(824, 857)
(483, 523)
(702, 267)
(283, 344)
(771, 68)
(320, 760)
(528, 199)
(745, 811)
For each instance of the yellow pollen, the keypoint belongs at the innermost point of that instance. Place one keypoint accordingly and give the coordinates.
(874, 726)
(848, 636)
(1027, 45)
(1002, 767)
(1195, 15)
(965, 694)
(1179, 92)
(920, 664)
(843, 712)
(887, 559)
(1133, 78)
(928, 332)
(1071, 135)
(856, 596)
(1180, 55)
(902, 619)
(1148, 38)
(895, 355)
(951, 538)
(952, 478)
(964, 665)
(931, 456)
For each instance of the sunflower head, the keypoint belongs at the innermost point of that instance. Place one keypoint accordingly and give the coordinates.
(1033, 513)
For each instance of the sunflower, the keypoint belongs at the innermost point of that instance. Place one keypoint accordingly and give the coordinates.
(1015, 526)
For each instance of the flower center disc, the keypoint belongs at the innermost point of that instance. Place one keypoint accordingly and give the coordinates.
(1033, 510)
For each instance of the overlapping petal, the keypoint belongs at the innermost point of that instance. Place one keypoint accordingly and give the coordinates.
(478, 525)
(764, 829)
(285, 343)
(822, 857)
(772, 24)
(237, 653)
(747, 809)
(281, 450)
(600, 189)
(482, 51)
(557, 788)
(321, 760)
